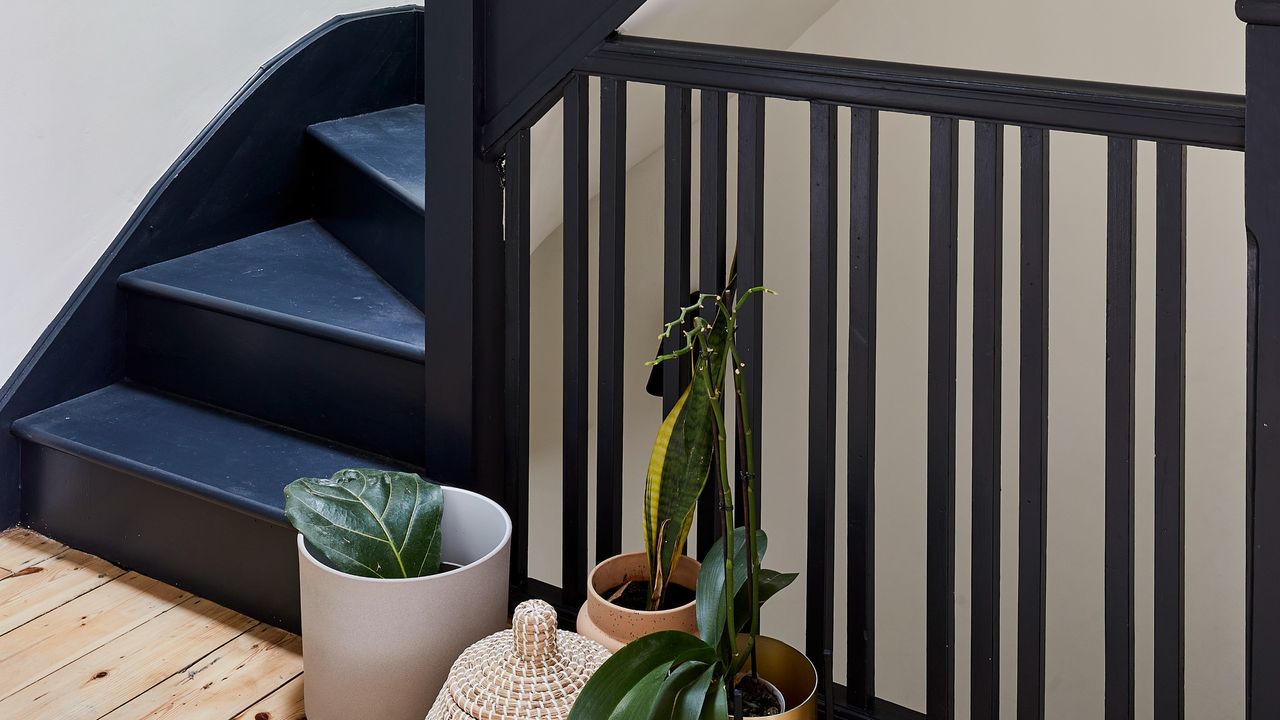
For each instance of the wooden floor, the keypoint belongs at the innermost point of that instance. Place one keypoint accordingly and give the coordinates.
(81, 639)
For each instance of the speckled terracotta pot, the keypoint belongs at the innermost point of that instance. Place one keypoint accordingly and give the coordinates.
(613, 626)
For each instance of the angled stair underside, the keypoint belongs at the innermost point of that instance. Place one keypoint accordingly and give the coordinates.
(292, 351)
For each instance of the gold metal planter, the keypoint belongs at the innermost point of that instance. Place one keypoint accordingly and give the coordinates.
(790, 671)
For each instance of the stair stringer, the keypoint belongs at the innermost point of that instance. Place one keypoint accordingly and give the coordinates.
(242, 175)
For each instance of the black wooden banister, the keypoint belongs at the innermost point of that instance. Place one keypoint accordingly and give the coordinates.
(1258, 12)
(1262, 463)
(464, 206)
(1185, 116)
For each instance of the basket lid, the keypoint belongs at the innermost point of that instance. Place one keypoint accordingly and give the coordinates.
(533, 671)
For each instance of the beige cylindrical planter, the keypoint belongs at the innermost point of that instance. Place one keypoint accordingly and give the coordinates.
(613, 626)
(383, 648)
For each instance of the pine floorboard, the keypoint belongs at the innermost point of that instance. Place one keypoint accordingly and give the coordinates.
(81, 639)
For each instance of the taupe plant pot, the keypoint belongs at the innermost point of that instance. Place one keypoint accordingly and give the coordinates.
(613, 626)
(383, 648)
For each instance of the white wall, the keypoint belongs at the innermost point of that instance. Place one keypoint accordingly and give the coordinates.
(98, 100)
(1187, 43)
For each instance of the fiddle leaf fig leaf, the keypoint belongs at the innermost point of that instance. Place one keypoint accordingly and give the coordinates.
(370, 523)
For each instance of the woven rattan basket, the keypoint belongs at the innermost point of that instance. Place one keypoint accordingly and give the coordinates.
(532, 672)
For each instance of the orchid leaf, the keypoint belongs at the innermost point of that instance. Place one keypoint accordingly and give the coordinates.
(624, 686)
(681, 677)
(711, 583)
(772, 582)
(638, 703)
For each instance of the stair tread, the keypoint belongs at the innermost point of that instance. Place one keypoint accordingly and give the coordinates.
(390, 145)
(299, 277)
(232, 459)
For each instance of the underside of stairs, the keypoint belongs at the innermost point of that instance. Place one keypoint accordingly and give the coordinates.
(291, 352)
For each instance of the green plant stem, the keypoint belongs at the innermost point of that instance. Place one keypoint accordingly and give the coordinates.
(753, 519)
(726, 491)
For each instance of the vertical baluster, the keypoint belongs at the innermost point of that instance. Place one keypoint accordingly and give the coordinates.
(517, 351)
(822, 383)
(1170, 426)
(750, 254)
(1033, 433)
(940, 571)
(1119, 512)
(863, 229)
(1262, 219)
(988, 253)
(711, 256)
(574, 492)
(675, 293)
(613, 205)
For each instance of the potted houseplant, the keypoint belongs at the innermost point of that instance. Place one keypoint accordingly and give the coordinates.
(636, 594)
(398, 576)
(729, 665)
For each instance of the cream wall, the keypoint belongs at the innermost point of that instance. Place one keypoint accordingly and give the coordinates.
(1186, 43)
(99, 98)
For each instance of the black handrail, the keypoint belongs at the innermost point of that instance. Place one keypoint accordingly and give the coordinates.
(1206, 119)
(1036, 105)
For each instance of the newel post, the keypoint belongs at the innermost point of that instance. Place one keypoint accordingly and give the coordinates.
(464, 267)
(1262, 221)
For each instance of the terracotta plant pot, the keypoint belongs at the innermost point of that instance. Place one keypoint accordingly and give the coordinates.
(383, 648)
(791, 673)
(613, 626)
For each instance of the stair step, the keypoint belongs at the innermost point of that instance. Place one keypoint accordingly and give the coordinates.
(237, 461)
(298, 277)
(289, 326)
(369, 190)
(177, 490)
(389, 145)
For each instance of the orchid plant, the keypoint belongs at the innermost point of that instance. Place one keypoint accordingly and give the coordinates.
(672, 675)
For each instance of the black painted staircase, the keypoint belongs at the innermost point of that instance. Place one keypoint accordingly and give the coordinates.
(295, 352)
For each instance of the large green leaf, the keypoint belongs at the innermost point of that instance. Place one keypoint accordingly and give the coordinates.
(711, 583)
(681, 461)
(663, 703)
(370, 523)
(638, 702)
(717, 706)
(633, 668)
(692, 700)
(772, 582)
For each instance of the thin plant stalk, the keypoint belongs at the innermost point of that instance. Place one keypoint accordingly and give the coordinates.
(726, 491)
(752, 514)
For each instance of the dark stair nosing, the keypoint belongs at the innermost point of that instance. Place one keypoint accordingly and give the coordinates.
(77, 428)
(173, 280)
(389, 146)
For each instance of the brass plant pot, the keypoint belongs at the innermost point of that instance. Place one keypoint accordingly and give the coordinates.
(790, 671)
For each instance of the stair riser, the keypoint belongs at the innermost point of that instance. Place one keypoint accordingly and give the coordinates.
(351, 395)
(379, 227)
(242, 562)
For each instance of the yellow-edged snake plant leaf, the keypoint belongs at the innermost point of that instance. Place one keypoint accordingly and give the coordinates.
(679, 466)
(370, 523)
